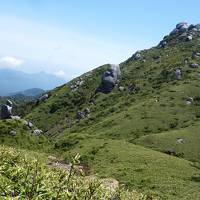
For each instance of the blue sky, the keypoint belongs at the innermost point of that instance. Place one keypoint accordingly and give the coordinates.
(69, 37)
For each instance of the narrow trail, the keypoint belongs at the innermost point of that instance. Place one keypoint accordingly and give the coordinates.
(109, 183)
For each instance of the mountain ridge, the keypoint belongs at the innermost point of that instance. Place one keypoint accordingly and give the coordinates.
(12, 81)
(33, 92)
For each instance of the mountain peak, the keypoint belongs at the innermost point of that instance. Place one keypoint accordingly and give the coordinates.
(183, 32)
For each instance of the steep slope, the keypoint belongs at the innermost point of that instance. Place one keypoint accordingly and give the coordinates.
(158, 96)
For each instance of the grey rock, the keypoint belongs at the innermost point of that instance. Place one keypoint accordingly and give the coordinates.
(74, 87)
(121, 88)
(182, 26)
(171, 152)
(189, 100)
(143, 60)
(175, 31)
(37, 132)
(163, 44)
(194, 65)
(178, 74)
(180, 140)
(197, 26)
(44, 97)
(188, 103)
(137, 55)
(6, 110)
(195, 55)
(30, 125)
(191, 27)
(13, 133)
(110, 78)
(25, 122)
(80, 115)
(83, 114)
(16, 117)
(189, 37)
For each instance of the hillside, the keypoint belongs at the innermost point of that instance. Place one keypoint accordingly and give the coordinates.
(144, 133)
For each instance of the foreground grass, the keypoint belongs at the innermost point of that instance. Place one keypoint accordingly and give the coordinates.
(24, 177)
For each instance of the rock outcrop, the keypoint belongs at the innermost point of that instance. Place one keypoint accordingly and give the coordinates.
(182, 32)
(178, 74)
(110, 79)
(6, 110)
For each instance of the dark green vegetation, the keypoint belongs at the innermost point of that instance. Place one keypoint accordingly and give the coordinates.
(128, 135)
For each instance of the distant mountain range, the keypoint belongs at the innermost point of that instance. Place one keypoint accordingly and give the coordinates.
(29, 93)
(12, 81)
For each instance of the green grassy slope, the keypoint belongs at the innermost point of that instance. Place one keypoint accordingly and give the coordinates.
(23, 137)
(184, 142)
(154, 117)
(137, 167)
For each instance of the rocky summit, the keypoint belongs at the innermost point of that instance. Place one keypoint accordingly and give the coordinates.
(136, 122)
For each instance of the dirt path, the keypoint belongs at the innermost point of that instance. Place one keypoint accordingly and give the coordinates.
(109, 183)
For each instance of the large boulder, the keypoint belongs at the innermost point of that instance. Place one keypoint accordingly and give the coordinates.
(110, 78)
(195, 55)
(194, 65)
(180, 28)
(178, 74)
(197, 26)
(6, 110)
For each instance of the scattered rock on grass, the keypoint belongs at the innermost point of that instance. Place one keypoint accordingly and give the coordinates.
(37, 132)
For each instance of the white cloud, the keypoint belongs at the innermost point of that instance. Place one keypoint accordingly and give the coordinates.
(61, 74)
(10, 62)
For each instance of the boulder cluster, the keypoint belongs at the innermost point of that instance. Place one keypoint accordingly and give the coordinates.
(74, 86)
(6, 113)
(183, 32)
(82, 114)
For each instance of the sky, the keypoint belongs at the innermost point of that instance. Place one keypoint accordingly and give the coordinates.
(70, 37)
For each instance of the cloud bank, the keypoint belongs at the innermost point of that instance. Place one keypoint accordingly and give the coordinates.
(10, 62)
